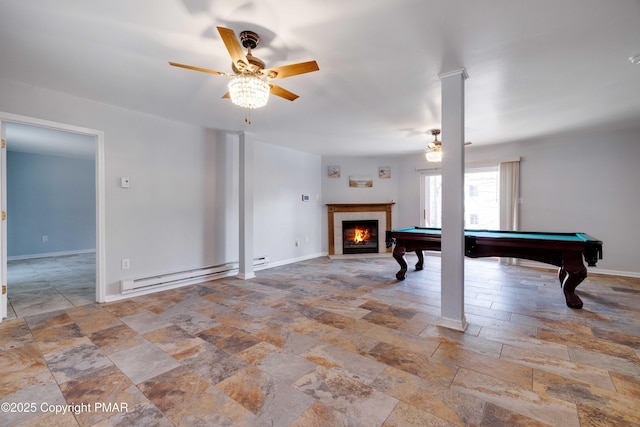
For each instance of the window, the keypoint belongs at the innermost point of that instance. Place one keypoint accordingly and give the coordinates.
(481, 201)
(433, 201)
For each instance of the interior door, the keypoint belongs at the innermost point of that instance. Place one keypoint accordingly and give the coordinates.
(3, 227)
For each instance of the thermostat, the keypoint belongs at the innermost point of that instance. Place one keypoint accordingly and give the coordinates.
(305, 197)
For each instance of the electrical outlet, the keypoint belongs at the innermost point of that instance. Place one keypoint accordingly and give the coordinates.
(125, 264)
(297, 242)
(45, 238)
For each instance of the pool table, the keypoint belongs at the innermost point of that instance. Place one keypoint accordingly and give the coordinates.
(564, 250)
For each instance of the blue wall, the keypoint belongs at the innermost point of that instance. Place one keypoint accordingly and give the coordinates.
(53, 196)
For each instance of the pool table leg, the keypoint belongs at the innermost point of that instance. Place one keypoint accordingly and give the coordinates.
(398, 255)
(571, 274)
(420, 263)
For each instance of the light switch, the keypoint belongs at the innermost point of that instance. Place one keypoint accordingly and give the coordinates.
(124, 182)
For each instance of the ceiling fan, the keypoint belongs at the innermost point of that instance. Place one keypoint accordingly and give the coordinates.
(433, 153)
(250, 83)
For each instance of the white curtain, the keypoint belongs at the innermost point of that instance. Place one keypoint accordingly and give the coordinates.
(509, 199)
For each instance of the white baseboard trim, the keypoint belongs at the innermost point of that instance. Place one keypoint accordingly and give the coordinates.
(455, 324)
(362, 256)
(590, 270)
(290, 261)
(229, 273)
(615, 273)
(50, 254)
(459, 325)
(168, 287)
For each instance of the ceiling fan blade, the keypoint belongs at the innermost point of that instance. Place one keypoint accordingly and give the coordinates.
(204, 70)
(283, 93)
(291, 70)
(233, 46)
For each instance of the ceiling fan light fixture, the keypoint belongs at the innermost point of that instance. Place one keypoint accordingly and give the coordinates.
(249, 86)
(249, 91)
(433, 153)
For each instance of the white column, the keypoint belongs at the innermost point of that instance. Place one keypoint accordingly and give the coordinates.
(246, 208)
(452, 274)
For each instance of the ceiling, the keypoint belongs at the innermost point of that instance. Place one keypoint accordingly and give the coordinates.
(535, 68)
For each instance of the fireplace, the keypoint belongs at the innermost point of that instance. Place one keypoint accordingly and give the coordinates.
(360, 237)
(339, 213)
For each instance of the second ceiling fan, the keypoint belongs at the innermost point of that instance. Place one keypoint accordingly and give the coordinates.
(433, 153)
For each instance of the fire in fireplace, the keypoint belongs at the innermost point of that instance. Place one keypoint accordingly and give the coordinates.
(360, 237)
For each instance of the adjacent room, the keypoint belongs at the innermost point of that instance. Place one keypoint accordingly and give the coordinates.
(371, 213)
(51, 235)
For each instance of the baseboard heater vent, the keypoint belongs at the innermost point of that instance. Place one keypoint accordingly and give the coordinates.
(184, 277)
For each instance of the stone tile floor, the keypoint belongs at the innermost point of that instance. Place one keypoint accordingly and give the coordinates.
(40, 285)
(333, 343)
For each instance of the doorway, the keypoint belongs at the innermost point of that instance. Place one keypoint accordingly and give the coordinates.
(57, 263)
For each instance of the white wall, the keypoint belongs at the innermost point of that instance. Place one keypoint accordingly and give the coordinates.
(582, 182)
(576, 182)
(221, 197)
(337, 190)
(169, 219)
(181, 210)
(282, 176)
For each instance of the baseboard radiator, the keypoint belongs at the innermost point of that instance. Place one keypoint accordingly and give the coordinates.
(184, 277)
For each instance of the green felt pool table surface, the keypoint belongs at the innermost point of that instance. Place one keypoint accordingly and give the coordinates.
(499, 234)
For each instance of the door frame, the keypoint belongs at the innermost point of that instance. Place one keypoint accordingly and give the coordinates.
(100, 199)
